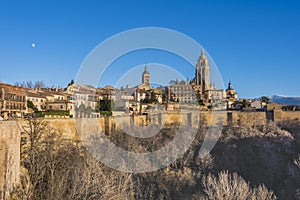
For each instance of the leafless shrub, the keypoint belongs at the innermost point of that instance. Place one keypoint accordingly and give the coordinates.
(297, 194)
(262, 192)
(204, 163)
(231, 186)
(297, 161)
(272, 130)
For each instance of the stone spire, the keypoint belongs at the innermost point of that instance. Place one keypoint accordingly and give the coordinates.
(203, 54)
(146, 76)
(202, 75)
(146, 69)
(229, 85)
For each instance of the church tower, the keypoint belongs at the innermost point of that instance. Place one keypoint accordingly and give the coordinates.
(202, 75)
(146, 76)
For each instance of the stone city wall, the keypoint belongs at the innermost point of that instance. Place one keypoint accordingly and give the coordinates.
(9, 157)
(70, 128)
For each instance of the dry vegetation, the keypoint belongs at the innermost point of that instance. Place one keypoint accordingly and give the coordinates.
(231, 186)
(248, 162)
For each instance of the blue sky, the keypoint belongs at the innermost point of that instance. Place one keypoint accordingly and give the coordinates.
(255, 44)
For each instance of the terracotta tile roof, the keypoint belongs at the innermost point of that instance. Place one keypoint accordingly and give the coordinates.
(35, 94)
(13, 89)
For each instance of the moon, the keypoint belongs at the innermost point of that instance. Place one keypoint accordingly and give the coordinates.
(32, 45)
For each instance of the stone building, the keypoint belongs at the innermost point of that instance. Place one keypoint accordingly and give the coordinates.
(12, 101)
(231, 95)
(53, 94)
(59, 105)
(84, 95)
(158, 92)
(257, 104)
(38, 99)
(199, 89)
(201, 82)
(140, 95)
(107, 92)
(216, 99)
(122, 100)
(145, 80)
(181, 91)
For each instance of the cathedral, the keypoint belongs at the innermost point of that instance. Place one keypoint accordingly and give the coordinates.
(199, 89)
(206, 92)
(201, 82)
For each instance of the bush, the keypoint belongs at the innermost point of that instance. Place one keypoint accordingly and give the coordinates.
(40, 114)
(58, 112)
(106, 113)
(231, 186)
(32, 106)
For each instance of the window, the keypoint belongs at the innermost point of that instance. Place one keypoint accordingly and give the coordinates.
(61, 107)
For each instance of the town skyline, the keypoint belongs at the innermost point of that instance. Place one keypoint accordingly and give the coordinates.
(250, 42)
(149, 99)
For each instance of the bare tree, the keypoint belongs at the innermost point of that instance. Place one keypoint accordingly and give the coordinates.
(29, 84)
(55, 168)
(39, 84)
(20, 84)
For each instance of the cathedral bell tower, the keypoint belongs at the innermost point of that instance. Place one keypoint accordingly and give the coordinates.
(146, 76)
(202, 75)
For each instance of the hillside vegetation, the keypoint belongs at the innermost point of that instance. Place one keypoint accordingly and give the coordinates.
(248, 162)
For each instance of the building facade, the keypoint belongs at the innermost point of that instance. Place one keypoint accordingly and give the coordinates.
(38, 99)
(181, 91)
(231, 95)
(12, 101)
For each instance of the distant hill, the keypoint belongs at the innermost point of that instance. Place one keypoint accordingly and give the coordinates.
(285, 100)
